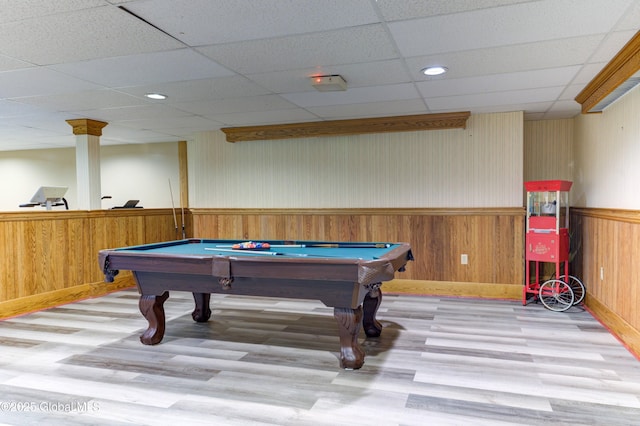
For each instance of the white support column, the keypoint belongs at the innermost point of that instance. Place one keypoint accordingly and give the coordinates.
(88, 134)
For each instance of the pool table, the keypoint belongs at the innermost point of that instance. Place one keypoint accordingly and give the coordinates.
(345, 276)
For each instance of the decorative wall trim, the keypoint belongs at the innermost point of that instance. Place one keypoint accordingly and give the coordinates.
(619, 215)
(42, 215)
(405, 123)
(481, 211)
(617, 71)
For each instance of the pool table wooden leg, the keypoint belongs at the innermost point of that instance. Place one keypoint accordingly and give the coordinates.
(370, 305)
(349, 323)
(152, 309)
(202, 312)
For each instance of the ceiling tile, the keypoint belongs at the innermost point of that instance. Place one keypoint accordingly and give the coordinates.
(498, 82)
(192, 123)
(26, 9)
(371, 109)
(145, 69)
(537, 108)
(512, 97)
(631, 17)
(38, 81)
(81, 35)
(394, 10)
(243, 104)
(360, 44)
(354, 96)
(115, 134)
(52, 122)
(196, 90)
(239, 20)
(502, 59)
(256, 118)
(7, 63)
(127, 113)
(515, 24)
(587, 73)
(611, 45)
(10, 108)
(564, 109)
(84, 100)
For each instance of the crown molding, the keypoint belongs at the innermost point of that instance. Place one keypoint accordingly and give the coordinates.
(617, 71)
(404, 123)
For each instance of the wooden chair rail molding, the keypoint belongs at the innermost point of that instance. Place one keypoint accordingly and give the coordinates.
(619, 215)
(31, 215)
(405, 123)
(624, 65)
(480, 211)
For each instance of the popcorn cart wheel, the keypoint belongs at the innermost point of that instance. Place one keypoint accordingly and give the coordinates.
(579, 290)
(556, 295)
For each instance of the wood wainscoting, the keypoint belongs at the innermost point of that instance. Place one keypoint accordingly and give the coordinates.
(604, 246)
(492, 239)
(50, 258)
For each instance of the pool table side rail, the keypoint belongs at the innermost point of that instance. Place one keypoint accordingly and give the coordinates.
(362, 271)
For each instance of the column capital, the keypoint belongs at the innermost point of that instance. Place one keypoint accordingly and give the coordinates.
(87, 126)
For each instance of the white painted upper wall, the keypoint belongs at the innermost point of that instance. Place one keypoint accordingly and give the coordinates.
(480, 166)
(607, 156)
(139, 172)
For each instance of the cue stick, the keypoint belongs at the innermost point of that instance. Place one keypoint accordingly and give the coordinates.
(268, 253)
(271, 246)
(349, 245)
(184, 235)
(173, 207)
(338, 245)
(264, 253)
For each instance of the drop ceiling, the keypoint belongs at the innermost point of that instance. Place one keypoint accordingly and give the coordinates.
(228, 63)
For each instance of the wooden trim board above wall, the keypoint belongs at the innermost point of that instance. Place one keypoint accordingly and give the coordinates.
(623, 66)
(358, 126)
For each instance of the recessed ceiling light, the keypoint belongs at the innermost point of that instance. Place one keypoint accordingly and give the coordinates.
(436, 70)
(159, 96)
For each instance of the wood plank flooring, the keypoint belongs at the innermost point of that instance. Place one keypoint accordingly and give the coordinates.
(264, 361)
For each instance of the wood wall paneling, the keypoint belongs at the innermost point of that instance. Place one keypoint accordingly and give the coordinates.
(492, 238)
(608, 239)
(548, 150)
(52, 257)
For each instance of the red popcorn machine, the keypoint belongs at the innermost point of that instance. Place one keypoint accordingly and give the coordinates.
(547, 241)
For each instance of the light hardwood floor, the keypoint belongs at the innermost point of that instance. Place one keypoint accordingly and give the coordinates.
(263, 361)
